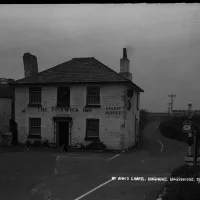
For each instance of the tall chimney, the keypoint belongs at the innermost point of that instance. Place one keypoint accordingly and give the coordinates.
(124, 66)
(30, 64)
(124, 53)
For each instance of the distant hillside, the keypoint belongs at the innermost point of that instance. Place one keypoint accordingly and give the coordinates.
(157, 115)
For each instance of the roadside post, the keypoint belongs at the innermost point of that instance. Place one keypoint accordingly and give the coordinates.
(195, 147)
(187, 127)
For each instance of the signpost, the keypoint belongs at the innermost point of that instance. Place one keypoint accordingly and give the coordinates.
(195, 147)
(188, 127)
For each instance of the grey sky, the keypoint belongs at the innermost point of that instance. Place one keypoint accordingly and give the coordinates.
(163, 43)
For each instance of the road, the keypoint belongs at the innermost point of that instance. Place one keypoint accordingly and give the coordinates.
(90, 179)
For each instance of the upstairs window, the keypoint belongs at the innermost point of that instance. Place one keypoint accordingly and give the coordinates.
(35, 96)
(92, 128)
(93, 96)
(35, 127)
(63, 96)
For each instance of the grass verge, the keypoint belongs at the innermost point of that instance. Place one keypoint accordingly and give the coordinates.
(183, 190)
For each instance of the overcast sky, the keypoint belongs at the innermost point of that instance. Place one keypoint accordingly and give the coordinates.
(163, 43)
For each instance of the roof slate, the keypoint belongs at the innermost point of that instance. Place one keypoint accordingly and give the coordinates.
(77, 70)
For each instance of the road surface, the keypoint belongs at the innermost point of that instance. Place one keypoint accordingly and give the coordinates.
(90, 177)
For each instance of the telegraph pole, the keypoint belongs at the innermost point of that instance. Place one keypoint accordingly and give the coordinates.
(172, 96)
(169, 107)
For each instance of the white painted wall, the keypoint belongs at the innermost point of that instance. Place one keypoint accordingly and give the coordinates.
(109, 125)
(130, 134)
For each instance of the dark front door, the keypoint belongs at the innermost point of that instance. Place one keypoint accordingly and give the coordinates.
(63, 133)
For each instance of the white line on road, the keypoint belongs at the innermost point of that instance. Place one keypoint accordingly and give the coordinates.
(113, 157)
(93, 189)
(161, 145)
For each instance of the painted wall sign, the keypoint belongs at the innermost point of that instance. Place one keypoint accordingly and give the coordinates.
(87, 109)
(58, 109)
(114, 110)
(64, 109)
(42, 109)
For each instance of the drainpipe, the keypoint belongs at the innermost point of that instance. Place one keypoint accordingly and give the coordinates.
(122, 136)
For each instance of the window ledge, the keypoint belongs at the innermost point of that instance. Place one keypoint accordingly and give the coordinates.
(35, 105)
(34, 137)
(92, 106)
(92, 138)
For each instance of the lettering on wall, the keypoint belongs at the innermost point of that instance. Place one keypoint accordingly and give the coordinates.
(42, 109)
(109, 110)
(87, 109)
(58, 109)
(114, 110)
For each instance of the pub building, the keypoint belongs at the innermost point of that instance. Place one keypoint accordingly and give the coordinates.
(78, 101)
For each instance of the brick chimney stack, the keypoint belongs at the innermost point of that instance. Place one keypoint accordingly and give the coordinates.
(30, 64)
(124, 66)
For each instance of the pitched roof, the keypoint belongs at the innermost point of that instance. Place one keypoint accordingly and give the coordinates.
(77, 70)
(5, 91)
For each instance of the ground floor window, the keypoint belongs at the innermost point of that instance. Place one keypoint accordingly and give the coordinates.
(35, 127)
(92, 128)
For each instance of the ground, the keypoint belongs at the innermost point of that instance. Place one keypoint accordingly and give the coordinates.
(59, 176)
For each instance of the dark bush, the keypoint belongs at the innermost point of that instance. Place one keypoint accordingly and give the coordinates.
(96, 145)
(37, 143)
(46, 143)
(184, 190)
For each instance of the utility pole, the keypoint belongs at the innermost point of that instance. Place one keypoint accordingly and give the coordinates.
(169, 107)
(172, 96)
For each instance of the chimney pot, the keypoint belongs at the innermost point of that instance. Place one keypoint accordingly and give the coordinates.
(124, 66)
(30, 64)
(124, 53)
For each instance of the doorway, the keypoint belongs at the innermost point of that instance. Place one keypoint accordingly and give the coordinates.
(63, 133)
